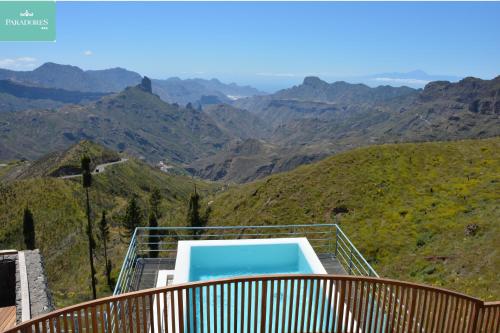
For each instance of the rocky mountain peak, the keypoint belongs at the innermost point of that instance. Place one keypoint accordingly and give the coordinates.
(145, 85)
(313, 81)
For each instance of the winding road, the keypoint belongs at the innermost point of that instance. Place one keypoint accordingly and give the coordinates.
(100, 168)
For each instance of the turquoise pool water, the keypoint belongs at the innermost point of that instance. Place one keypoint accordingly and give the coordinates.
(214, 262)
(291, 306)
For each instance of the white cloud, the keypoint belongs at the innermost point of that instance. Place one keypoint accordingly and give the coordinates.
(402, 81)
(18, 63)
(88, 53)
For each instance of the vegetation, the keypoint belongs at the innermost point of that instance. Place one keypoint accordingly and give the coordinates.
(153, 245)
(104, 236)
(407, 207)
(59, 208)
(420, 212)
(132, 218)
(60, 163)
(154, 215)
(155, 202)
(29, 229)
(87, 182)
(193, 214)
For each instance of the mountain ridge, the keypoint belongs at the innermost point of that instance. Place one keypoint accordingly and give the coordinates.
(134, 120)
(172, 90)
(55, 94)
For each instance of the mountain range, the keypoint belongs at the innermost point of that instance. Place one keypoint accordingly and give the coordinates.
(318, 119)
(222, 135)
(134, 121)
(41, 94)
(173, 90)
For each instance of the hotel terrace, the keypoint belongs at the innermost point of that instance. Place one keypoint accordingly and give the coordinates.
(262, 279)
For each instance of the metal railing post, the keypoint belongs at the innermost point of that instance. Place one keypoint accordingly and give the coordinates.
(336, 240)
(350, 260)
(121, 276)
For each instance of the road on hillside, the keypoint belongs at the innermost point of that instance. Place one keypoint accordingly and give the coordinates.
(100, 168)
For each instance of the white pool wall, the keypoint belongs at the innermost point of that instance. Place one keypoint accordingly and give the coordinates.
(183, 259)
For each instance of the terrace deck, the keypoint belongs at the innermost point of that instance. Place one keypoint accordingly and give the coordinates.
(146, 270)
(7, 317)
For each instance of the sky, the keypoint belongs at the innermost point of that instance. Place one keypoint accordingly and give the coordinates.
(271, 44)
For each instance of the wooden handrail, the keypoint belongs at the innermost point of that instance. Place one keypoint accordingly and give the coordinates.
(317, 303)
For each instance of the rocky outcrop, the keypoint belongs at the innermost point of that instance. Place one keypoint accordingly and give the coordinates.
(145, 85)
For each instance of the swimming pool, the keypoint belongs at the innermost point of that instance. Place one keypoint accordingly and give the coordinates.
(213, 259)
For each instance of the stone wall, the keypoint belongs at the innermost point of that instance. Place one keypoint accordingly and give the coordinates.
(18, 292)
(40, 296)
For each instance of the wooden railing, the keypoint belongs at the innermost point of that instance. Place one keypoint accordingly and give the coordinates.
(278, 304)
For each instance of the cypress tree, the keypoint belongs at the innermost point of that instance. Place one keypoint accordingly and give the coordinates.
(132, 218)
(193, 216)
(87, 182)
(28, 229)
(154, 202)
(104, 235)
(153, 241)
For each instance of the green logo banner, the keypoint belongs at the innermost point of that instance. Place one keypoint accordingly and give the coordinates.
(27, 20)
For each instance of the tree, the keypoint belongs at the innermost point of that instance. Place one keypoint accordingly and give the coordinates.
(104, 236)
(132, 218)
(87, 182)
(193, 216)
(28, 229)
(154, 202)
(153, 240)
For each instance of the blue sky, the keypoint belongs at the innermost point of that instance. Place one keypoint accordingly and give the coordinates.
(270, 45)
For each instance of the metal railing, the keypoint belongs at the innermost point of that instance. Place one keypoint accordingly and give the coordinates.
(326, 239)
(278, 303)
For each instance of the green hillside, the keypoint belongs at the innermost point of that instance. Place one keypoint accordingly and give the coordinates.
(58, 208)
(409, 208)
(66, 162)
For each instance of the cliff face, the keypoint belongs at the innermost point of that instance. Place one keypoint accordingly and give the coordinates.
(145, 85)
(480, 96)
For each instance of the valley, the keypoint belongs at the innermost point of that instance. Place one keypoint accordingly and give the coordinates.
(407, 207)
(404, 171)
(208, 134)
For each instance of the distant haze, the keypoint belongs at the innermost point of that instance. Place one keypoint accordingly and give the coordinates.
(414, 79)
(274, 45)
